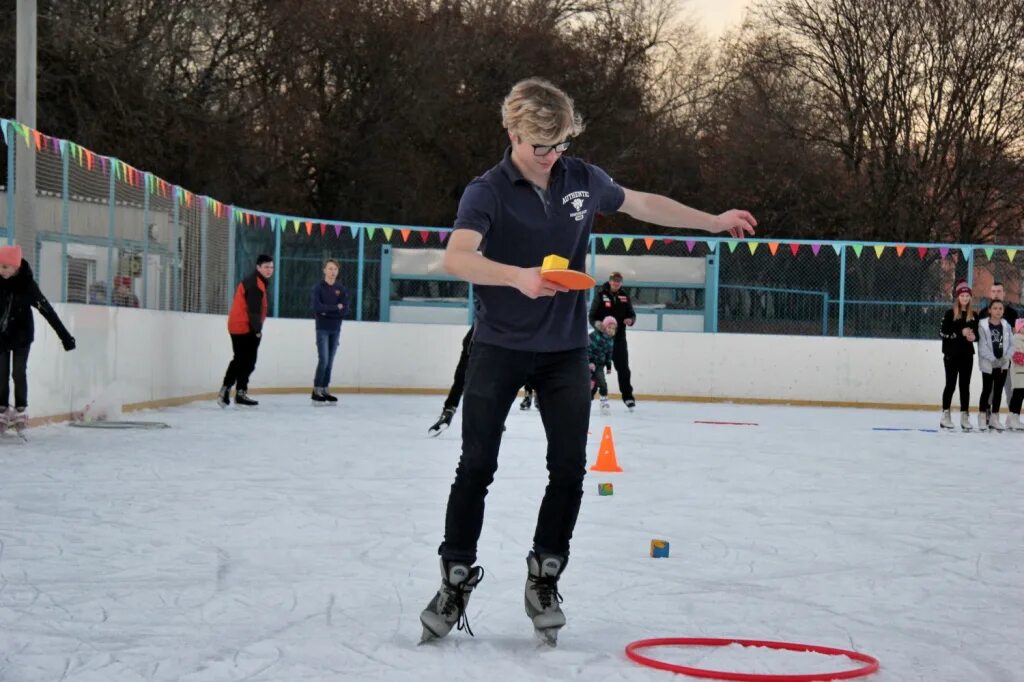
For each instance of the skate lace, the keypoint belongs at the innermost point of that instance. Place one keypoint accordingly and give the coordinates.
(546, 587)
(457, 596)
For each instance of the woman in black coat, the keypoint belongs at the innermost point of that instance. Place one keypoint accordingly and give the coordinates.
(19, 293)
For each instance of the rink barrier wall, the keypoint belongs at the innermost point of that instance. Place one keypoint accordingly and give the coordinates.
(144, 359)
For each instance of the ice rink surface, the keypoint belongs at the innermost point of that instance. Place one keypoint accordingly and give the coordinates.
(292, 543)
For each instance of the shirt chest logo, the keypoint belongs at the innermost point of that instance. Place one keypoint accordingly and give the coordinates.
(576, 199)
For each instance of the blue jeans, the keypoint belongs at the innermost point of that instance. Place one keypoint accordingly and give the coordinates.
(326, 346)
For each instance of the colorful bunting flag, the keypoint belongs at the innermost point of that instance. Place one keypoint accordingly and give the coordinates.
(605, 241)
(424, 235)
(323, 229)
(667, 240)
(753, 247)
(628, 241)
(988, 252)
(838, 248)
(900, 248)
(943, 251)
(354, 229)
(369, 232)
(711, 246)
(922, 251)
(966, 250)
(649, 242)
(794, 248)
(879, 248)
(388, 231)
(773, 247)
(405, 235)
(1010, 253)
(690, 243)
(815, 248)
(337, 229)
(444, 235)
(857, 248)
(732, 244)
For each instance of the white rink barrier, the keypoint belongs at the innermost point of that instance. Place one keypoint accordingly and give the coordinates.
(147, 357)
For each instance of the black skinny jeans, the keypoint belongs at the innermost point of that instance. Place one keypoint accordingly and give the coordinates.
(992, 390)
(493, 378)
(245, 347)
(957, 367)
(19, 369)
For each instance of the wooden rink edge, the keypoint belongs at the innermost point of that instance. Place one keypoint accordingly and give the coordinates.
(184, 400)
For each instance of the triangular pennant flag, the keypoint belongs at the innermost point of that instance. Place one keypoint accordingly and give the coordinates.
(63, 147)
(1010, 253)
(354, 229)
(773, 247)
(38, 138)
(732, 244)
(667, 241)
(649, 242)
(815, 248)
(388, 231)
(879, 248)
(712, 246)
(263, 221)
(444, 235)
(753, 247)
(966, 250)
(405, 235)
(337, 229)
(370, 231)
(922, 251)
(605, 241)
(3, 130)
(857, 248)
(943, 251)
(628, 241)
(900, 248)
(690, 243)
(309, 227)
(838, 248)
(424, 235)
(794, 248)
(26, 134)
(988, 253)
(323, 229)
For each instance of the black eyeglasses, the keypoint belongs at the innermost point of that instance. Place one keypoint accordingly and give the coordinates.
(545, 149)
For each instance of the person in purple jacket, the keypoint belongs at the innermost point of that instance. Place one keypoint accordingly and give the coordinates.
(329, 299)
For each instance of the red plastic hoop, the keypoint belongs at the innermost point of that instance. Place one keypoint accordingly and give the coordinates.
(871, 664)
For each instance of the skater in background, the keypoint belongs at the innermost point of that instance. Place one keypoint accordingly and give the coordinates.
(329, 300)
(997, 293)
(451, 403)
(1013, 421)
(612, 299)
(602, 346)
(245, 325)
(529, 398)
(19, 293)
(533, 203)
(123, 296)
(959, 331)
(995, 347)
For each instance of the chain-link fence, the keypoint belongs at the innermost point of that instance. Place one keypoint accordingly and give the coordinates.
(96, 230)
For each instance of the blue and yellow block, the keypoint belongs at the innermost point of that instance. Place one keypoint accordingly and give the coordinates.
(659, 549)
(604, 489)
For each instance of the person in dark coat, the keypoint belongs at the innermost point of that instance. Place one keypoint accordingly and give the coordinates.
(958, 331)
(613, 300)
(245, 325)
(19, 293)
(329, 300)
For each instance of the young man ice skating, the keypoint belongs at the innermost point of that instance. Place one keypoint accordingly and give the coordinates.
(245, 325)
(534, 203)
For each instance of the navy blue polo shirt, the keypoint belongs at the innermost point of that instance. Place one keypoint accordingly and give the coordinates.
(521, 224)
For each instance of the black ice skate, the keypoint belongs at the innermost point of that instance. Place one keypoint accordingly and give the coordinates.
(542, 596)
(317, 396)
(630, 404)
(448, 607)
(224, 396)
(242, 398)
(442, 423)
(527, 402)
(331, 400)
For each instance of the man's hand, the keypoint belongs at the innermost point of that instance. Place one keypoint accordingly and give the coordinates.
(529, 282)
(736, 222)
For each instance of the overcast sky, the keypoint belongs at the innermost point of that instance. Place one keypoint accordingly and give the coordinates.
(717, 16)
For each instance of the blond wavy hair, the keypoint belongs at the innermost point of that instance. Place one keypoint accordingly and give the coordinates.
(540, 113)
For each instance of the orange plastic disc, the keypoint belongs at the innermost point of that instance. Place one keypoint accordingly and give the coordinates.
(570, 279)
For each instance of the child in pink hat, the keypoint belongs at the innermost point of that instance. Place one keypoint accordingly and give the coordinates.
(19, 293)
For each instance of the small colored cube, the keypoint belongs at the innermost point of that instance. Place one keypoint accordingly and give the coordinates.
(659, 549)
(605, 489)
(554, 262)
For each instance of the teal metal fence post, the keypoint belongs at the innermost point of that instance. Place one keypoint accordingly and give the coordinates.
(279, 269)
(111, 217)
(841, 331)
(204, 229)
(175, 266)
(11, 142)
(65, 222)
(145, 240)
(711, 293)
(231, 256)
(360, 272)
(824, 315)
(385, 283)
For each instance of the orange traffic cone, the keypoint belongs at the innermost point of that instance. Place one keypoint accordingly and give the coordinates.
(606, 460)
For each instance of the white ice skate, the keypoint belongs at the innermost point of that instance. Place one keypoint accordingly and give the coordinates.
(542, 597)
(982, 421)
(947, 420)
(606, 408)
(994, 423)
(965, 421)
(448, 607)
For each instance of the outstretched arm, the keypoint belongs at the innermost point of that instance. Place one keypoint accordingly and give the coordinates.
(50, 315)
(660, 210)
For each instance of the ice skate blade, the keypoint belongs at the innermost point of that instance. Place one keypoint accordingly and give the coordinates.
(435, 431)
(548, 636)
(428, 636)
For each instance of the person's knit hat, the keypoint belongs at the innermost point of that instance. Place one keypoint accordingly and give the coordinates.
(10, 255)
(609, 320)
(961, 287)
